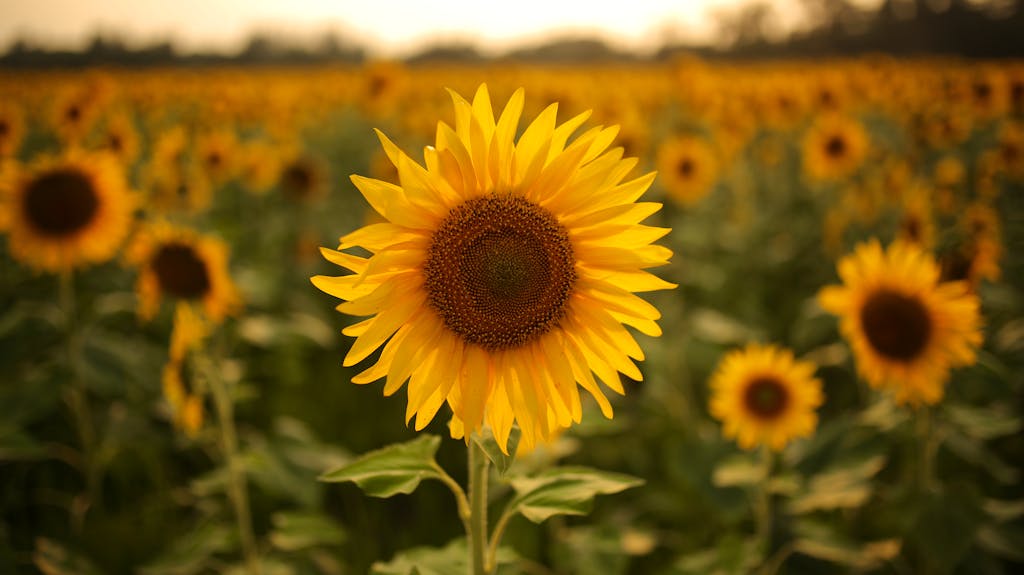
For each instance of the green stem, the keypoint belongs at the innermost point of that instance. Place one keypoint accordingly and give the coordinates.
(764, 503)
(237, 486)
(477, 533)
(499, 532)
(926, 449)
(77, 395)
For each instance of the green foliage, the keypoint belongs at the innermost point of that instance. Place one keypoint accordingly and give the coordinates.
(393, 469)
(565, 491)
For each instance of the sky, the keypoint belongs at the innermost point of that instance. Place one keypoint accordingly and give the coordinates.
(388, 27)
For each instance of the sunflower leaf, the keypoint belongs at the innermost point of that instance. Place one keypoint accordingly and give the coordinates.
(485, 439)
(295, 531)
(565, 491)
(394, 469)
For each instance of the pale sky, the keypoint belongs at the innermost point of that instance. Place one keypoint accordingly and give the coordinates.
(390, 27)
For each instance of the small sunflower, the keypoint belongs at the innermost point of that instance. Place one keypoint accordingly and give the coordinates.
(834, 148)
(120, 138)
(12, 128)
(504, 272)
(688, 168)
(67, 212)
(185, 265)
(764, 396)
(906, 329)
(303, 179)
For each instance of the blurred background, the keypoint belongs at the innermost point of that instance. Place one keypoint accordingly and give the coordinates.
(139, 399)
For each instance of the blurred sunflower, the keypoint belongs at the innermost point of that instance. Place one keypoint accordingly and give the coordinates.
(688, 168)
(917, 223)
(976, 256)
(68, 211)
(906, 328)
(763, 396)
(12, 128)
(185, 265)
(218, 154)
(834, 148)
(120, 139)
(73, 114)
(185, 402)
(303, 179)
(504, 273)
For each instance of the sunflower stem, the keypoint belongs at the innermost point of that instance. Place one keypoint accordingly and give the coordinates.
(477, 533)
(77, 394)
(237, 485)
(926, 449)
(764, 504)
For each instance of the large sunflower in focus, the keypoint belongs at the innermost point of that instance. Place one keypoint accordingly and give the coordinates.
(66, 212)
(763, 396)
(504, 272)
(905, 327)
(183, 265)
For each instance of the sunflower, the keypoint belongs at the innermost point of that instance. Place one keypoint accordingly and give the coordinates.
(905, 327)
(185, 403)
(504, 272)
(73, 114)
(68, 211)
(763, 396)
(217, 153)
(12, 128)
(688, 167)
(834, 148)
(120, 138)
(185, 265)
(303, 179)
(917, 223)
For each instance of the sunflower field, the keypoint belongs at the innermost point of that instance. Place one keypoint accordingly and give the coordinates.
(792, 292)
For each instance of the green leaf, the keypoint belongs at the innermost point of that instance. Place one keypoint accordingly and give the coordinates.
(451, 558)
(844, 486)
(565, 491)
(52, 558)
(732, 556)
(738, 471)
(983, 423)
(191, 552)
(1002, 510)
(1003, 541)
(821, 541)
(946, 526)
(485, 439)
(393, 469)
(301, 530)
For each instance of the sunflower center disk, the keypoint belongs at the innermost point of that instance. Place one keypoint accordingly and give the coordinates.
(897, 326)
(836, 146)
(499, 271)
(60, 203)
(766, 397)
(181, 272)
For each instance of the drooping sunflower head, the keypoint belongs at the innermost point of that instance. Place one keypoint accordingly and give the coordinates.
(504, 272)
(906, 328)
(67, 212)
(764, 396)
(185, 266)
